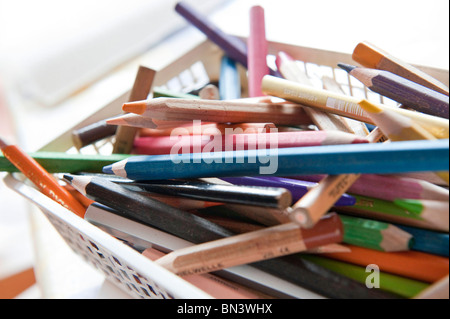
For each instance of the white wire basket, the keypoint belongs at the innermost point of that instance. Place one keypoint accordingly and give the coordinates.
(122, 265)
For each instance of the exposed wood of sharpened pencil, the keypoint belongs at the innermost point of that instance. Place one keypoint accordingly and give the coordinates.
(406, 92)
(439, 290)
(141, 89)
(235, 111)
(371, 56)
(253, 246)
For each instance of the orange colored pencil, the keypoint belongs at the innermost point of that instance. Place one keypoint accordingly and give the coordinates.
(41, 178)
(412, 264)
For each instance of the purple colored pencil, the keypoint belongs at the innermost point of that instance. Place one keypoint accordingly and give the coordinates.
(298, 188)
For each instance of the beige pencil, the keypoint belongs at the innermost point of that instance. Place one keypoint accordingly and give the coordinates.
(345, 105)
(438, 290)
(251, 247)
(230, 111)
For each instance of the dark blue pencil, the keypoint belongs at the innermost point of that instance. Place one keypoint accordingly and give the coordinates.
(297, 188)
(428, 241)
(377, 158)
(229, 80)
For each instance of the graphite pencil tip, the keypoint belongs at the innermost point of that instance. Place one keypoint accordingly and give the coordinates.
(137, 107)
(347, 67)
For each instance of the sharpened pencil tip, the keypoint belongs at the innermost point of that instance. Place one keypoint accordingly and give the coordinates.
(347, 67)
(108, 169)
(137, 107)
(68, 178)
(411, 205)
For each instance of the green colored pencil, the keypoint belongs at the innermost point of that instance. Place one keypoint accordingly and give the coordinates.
(389, 211)
(375, 234)
(404, 287)
(56, 162)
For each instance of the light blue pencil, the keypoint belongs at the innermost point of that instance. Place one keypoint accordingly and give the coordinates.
(229, 80)
(372, 158)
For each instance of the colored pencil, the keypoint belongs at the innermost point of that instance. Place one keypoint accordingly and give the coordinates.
(411, 264)
(233, 47)
(375, 234)
(131, 120)
(159, 145)
(370, 56)
(389, 187)
(43, 180)
(406, 92)
(275, 197)
(297, 188)
(192, 128)
(253, 246)
(163, 92)
(229, 80)
(230, 111)
(257, 51)
(92, 133)
(402, 286)
(436, 212)
(141, 89)
(378, 209)
(308, 210)
(354, 158)
(345, 105)
(58, 162)
(323, 120)
(287, 272)
(438, 290)
(399, 128)
(209, 92)
(427, 241)
(213, 285)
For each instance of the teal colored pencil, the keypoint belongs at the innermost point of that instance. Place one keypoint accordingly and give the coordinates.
(55, 162)
(382, 158)
(428, 241)
(229, 80)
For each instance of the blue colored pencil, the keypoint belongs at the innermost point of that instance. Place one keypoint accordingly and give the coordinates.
(377, 158)
(428, 241)
(297, 188)
(229, 80)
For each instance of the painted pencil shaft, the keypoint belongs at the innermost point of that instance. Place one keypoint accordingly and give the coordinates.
(436, 212)
(251, 247)
(373, 57)
(46, 183)
(56, 162)
(427, 241)
(275, 197)
(344, 105)
(229, 80)
(399, 89)
(297, 188)
(235, 111)
(353, 159)
(257, 51)
(213, 139)
(410, 264)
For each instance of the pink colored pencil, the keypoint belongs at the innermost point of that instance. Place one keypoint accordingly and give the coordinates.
(257, 51)
(391, 187)
(159, 145)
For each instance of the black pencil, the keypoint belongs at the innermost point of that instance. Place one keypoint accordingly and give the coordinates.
(198, 230)
(404, 91)
(274, 197)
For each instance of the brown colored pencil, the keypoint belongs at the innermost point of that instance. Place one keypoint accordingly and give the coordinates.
(250, 247)
(370, 56)
(404, 91)
(231, 111)
(141, 89)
